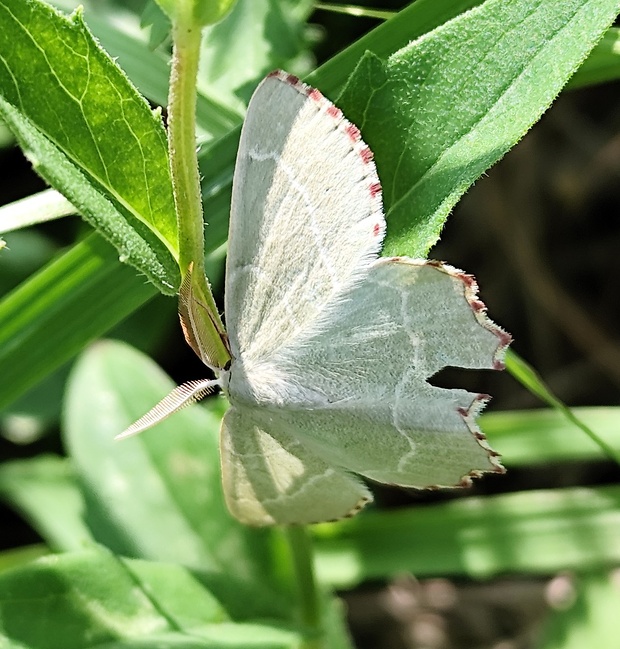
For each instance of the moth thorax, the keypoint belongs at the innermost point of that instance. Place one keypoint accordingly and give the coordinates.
(258, 383)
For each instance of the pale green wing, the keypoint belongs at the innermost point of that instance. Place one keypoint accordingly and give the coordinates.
(359, 379)
(271, 477)
(426, 440)
(306, 215)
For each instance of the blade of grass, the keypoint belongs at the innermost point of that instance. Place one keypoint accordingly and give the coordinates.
(545, 436)
(530, 379)
(38, 208)
(72, 301)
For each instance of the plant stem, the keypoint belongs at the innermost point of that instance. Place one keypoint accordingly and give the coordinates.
(309, 599)
(182, 144)
(209, 333)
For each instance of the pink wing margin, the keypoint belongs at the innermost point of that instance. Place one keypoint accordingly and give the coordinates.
(504, 339)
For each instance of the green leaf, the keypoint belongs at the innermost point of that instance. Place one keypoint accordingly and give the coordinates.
(20, 556)
(196, 12)
(534, 532)
(159, 496)
(153, 19)
(207, 12)
(90, 132)
(603, 64)
(92, 598)
(149, 71)
(442, 110)
(410, 23)
(44, 490)
(264, 34)
(59, 171)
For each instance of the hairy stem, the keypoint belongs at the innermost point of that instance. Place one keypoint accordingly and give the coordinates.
(182, 144)
(210, 331)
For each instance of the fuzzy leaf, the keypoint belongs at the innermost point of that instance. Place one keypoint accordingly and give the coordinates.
(89, 132)
(442, 110)
(94, 599)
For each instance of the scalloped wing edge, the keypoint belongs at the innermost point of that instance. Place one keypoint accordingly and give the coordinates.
(504, 339)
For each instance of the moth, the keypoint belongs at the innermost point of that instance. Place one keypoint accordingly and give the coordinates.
(331, 347)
